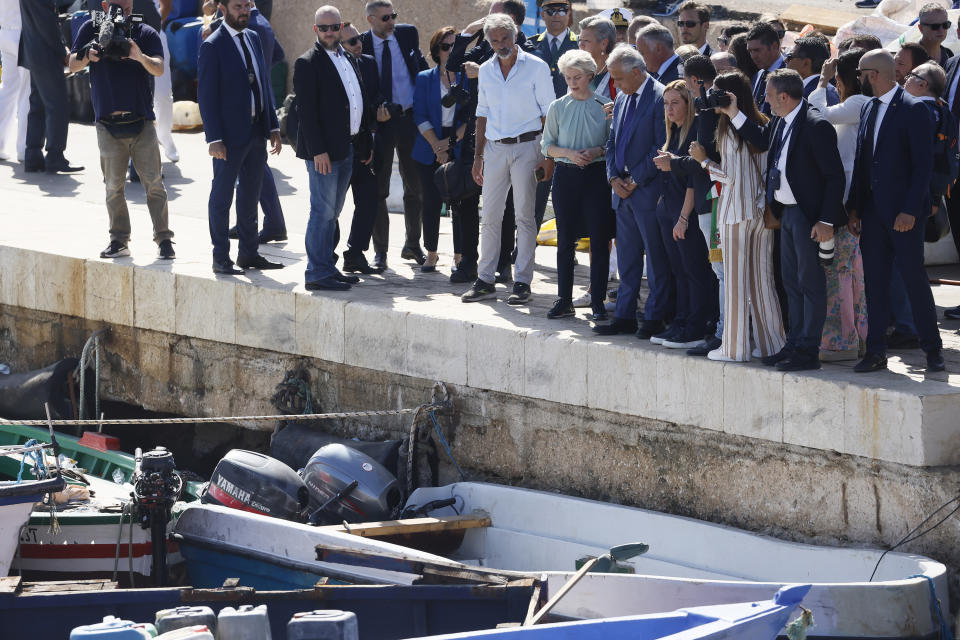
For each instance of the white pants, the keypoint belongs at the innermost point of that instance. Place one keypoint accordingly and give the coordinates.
(505, 166)
(14, 105)
(163, 102)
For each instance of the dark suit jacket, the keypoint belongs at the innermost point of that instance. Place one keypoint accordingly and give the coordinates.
(814, 169)
(542, 51)
(41, 41)
(671, 73)
(687, 167)
(833, 98)
(370, 78)
(645, 137)
(409, 41)
(902, 162)
(324, 108)
(223, 89)
(952, 69)
(463, 52)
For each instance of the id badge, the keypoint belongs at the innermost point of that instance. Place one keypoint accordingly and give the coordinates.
(773, 179)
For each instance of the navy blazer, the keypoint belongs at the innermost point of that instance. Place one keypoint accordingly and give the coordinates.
(952, 69)
(902, 162)
(814, 168)
(833, 98)
(370, 77)
(408, 39)
(542, 51)
(644, 138)
(223, 90)
(427, 108)
(671, 73)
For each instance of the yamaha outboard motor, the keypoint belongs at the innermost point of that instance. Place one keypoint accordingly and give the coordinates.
(347, 485)
(257, 483)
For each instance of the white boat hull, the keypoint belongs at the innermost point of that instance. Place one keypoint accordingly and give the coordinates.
(12, 517)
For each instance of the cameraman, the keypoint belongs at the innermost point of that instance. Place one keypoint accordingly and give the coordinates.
(121, 86)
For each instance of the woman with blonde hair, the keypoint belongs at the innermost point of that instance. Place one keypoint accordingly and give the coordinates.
(746, 244)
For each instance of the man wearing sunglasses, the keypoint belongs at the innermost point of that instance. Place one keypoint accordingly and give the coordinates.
(556, 40)
(396, 48)
(934, 25)
(693, 23)
(807, 58)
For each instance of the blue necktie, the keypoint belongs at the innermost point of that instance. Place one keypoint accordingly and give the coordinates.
(624, 131)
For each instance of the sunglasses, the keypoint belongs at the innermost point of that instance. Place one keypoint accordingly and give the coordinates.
(323, 28)
(860, 72)
(723, 40)
(689, 24)
(353, 41)
(387, 17)
(915, 76)
(937, 26)
(780, 34)
(560, 11)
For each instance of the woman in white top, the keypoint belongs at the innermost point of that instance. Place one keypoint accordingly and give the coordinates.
(746, 245)
(846, 324)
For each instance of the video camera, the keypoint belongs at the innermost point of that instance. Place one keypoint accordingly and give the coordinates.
(113, 31)
(707, 101)
(456, 95)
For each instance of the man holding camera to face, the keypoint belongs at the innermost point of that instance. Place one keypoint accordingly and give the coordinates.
(124, 55)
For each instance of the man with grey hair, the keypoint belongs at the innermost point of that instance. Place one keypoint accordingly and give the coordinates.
(396, 48)
(636, 136)
(655, 44)
(638, 23)
(934, 25)
(514, 91)
(723, 61)
(598, 36)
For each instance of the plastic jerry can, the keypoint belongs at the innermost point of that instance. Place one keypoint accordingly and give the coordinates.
(246, 622)
(192, 632)
(113, 628)
(180, 617)
(329, 624)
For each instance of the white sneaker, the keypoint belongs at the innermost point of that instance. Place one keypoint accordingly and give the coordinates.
(583, 301)
(756, 353)
(173, 155)
(610, 305)
(717, 354)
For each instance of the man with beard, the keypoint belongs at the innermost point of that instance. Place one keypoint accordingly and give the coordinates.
(515, 90)
(330, 100)
(888, 205)
(693, 23)
(236, 104)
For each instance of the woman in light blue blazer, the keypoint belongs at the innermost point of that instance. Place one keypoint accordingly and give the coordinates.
(438, 126)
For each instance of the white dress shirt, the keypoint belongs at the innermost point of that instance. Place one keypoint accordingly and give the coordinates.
(784, 195)
(885, 101)
(402, 84)
(351, 86)
(256, 68)
(515, 104)
(704, 48)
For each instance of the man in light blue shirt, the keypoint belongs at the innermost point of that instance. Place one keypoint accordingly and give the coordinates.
(515, 89)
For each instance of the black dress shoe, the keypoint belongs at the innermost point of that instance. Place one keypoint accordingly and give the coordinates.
(233, 234)
(773, 359)
(272, 237)
(340, 277)
(357, 264)
(649, 329)
(413, 253)
(871, 362)
(327, 284)
(226, 267)
(902, 340)
(60, 166)
(618, 325)
(463, 275)
(711, 343)
(935, 361)
(33, 162)
(380, 262)
(258, 262)
(799, 362)
(953, 313)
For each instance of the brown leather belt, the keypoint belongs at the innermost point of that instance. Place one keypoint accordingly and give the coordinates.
(523, 137)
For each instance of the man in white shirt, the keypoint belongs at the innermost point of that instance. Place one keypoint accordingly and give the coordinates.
(514, 91)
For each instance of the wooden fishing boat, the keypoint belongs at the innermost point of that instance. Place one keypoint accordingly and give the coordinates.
(689, 563)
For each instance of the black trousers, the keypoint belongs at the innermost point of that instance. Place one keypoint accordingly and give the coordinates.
(466, 216)
(397, 135)
(432, 206)
(49, 114)
(363, 184)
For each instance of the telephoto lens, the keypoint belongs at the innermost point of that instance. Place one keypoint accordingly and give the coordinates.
(825, 252)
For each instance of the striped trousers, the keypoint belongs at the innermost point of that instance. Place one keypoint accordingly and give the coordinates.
(749, 291)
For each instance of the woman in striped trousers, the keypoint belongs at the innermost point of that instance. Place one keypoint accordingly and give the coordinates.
(746, 245)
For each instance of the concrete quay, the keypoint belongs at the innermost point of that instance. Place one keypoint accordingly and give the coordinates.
(827, 455)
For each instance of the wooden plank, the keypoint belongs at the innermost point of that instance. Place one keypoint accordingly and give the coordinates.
(413, 525)
(828, 20)
(61, 586)
(9, 584)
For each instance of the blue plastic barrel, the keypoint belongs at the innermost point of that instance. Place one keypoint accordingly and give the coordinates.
(183, 40)
(112, 628)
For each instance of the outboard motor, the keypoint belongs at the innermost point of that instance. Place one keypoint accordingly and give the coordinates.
(156, 487)
(257, 483)
(347, 485)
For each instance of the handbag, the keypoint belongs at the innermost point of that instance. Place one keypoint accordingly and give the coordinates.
(454, 179)
(938, 224)
(770, 221)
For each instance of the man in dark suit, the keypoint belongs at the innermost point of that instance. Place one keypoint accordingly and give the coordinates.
(804, 189)
(635, 139)
(655, 44)
(236, 105)
(807, 58)
(330, 101)
(44, 53)
(396, 48)
(363, 182)
(951, 95)
(693, 23)
(556, 40)
(763, 45)
(889, 203)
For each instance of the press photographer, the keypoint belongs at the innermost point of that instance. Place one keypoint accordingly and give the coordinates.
(124, 55)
